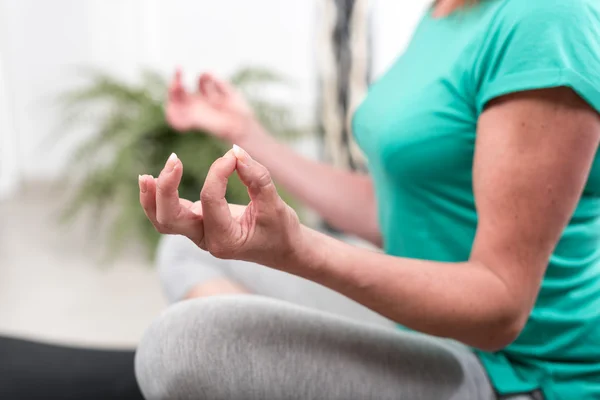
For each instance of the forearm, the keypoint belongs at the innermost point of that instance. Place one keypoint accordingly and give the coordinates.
(334, 194)
(463, 301)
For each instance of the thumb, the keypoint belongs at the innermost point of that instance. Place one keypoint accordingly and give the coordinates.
(255, 176)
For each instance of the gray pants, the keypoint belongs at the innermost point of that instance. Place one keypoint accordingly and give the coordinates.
(294, 339)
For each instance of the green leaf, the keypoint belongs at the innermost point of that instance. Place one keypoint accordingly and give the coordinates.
(256, 76)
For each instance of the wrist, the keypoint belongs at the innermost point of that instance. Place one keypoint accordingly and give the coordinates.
(309, 254)
(244, 130)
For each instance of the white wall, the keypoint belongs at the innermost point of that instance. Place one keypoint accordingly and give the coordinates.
(9, 174)
(393, 24)
(44, 40)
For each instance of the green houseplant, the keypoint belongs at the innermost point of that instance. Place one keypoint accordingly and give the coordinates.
(131, 137)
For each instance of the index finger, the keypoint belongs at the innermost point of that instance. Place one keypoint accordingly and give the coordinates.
(215, 208)
(176, 88)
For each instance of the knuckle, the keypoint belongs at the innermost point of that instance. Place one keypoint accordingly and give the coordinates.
(161, 220)
(200, 242)
(161, 188)
(280, 207)
(206, 195)
(217, 250)
(164, 225)
(161, 229)
(264, 178)
(169, 219)
(275, 213)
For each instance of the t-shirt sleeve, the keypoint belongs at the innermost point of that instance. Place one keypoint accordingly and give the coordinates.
(538, 44)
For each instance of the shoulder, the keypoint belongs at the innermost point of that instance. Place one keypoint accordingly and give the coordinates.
(545, 28)
(536, 14)
(538, 44)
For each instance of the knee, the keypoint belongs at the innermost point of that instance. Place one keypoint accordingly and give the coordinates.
(181, 265)
(192, 349)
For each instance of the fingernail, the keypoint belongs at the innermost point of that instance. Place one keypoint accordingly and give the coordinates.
(142, 184)
(171, 162)
(241, 154)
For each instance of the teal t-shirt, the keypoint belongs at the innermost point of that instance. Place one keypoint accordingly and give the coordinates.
(417, 127)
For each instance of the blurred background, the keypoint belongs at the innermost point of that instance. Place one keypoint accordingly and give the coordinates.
(81, 89)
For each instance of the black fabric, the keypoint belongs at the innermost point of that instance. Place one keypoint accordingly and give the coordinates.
(36, 370)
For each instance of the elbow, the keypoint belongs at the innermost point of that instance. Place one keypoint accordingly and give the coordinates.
(497, 341)
(500, 332)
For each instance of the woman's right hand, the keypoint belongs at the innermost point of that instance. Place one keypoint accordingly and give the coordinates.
(216, 107)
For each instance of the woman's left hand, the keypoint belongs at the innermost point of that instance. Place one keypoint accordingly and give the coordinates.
(267, 231)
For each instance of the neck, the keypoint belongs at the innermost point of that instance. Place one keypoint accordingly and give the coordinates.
(443, 8)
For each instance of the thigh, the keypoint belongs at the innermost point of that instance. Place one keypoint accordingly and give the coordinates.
(250, 347)
(182, 265)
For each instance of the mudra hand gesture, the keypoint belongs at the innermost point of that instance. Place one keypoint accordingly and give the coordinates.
(265, 231)
(216, 107)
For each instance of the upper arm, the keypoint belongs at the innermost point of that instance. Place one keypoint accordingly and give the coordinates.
(537, 89)
(533, 155)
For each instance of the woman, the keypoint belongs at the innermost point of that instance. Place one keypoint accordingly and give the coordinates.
(483, 191)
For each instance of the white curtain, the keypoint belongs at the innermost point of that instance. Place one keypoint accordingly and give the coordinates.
(344, 72)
